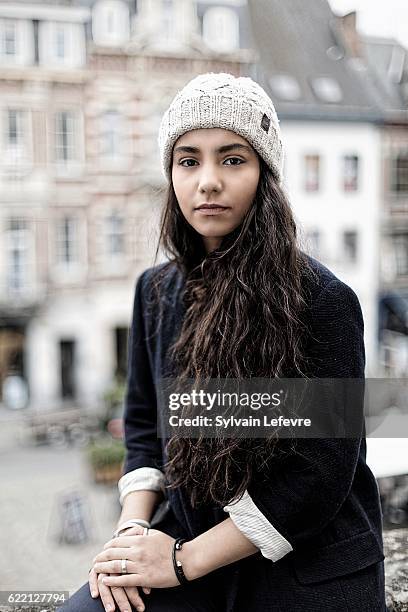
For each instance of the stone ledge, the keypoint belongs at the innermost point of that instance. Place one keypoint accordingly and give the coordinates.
(396, 569)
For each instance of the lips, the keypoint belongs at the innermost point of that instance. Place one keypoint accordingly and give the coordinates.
(210, 206)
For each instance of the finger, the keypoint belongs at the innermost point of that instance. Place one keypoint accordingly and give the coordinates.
(93, 583)
(121, 599)
(115, 567)
(125, 580)
(135, 599)
(110, 554)
(124, 541)
(105, 594)
(147, 590)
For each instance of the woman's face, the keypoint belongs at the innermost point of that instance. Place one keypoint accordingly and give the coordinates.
(214, 166)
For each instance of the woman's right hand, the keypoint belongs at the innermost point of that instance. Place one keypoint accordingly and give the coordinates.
(122, 596)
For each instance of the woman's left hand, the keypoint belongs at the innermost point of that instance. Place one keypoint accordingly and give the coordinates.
(149, 561)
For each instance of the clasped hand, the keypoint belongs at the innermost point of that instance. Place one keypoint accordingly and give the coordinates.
(123, 597)
(149, 561)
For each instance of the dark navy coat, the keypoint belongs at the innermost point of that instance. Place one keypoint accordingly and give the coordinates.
(324, 499)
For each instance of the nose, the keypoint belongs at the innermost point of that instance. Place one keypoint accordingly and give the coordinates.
(209, 179)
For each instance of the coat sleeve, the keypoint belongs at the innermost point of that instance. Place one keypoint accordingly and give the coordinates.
(306, 488)
(140, 415)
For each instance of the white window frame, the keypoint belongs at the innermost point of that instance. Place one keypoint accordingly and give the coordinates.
(350, 181)
(62, 238)
(102, 13)
(73, 166)
(221, 29)
(16, 157)
(66, 28)
(112, 233)
(346, 256)
(4, 24)
(58, 30)
(70, 146)
(312, 184)
(401, 254)
(18, 240)
(403, 154)
(114, 134)
(169, 30)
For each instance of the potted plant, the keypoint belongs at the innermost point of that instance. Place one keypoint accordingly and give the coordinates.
(106, 458)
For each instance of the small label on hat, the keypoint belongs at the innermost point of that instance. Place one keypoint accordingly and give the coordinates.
(265, 123)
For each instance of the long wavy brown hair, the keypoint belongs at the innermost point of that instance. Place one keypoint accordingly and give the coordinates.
(243, 319)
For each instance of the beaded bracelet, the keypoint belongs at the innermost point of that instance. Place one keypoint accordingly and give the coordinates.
(178, 567)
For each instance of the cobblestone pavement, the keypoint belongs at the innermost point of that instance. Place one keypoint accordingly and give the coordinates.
(33, 478)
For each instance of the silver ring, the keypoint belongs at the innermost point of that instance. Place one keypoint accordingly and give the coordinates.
(124, 565)
(145, 531)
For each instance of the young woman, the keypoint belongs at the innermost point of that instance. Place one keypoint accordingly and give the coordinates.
(268, 524)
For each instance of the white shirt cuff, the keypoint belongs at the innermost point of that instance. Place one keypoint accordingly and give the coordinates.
(141, 479)
(256, 527)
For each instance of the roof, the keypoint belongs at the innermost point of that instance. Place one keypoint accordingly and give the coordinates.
(306, 66)
(74, 3)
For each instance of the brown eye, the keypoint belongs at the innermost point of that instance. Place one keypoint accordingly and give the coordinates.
(237, 159)
(186, 160)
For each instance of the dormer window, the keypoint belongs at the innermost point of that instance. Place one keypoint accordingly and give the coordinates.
(110, 22)
(327, 89)
(285, 87)
(168, 20)
(221, 29)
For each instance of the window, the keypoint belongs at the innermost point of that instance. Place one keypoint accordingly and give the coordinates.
(8, 38)
(64, 136)
(350, 172)
(399, 173)
(121, 346)
(15, 137)
(114, 235)
(221, 29)
(60, 42)
(111, 22)
(401, 254)
(327, 89)
(168, 20)
(14, 127)
(111, 144)
(67, 241)
(285, 86)
(67, 365)
(17, 247)
(312, 172)
(350, 246)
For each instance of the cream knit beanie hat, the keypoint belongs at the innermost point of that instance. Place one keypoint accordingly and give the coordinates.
(219, 99)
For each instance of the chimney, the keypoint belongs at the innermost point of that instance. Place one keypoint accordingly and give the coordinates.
(347, 25)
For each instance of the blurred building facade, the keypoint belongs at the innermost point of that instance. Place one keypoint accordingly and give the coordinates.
(388, 61)
(83, 85)
(344, 117)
